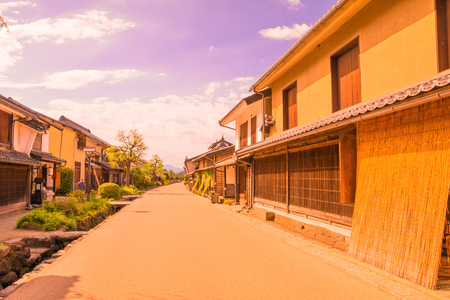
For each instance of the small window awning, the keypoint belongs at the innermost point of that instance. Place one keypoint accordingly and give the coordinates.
(46, 157)
(93, 166)
(226, 162)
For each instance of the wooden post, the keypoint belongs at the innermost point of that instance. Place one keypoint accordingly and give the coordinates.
(287, 182)
(347, 159)
(236, 183)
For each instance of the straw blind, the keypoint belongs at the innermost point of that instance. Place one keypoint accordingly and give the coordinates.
(402, 187)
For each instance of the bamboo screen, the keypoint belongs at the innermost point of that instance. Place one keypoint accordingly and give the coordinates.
(270, 178)
(402, 187)
(314, 181)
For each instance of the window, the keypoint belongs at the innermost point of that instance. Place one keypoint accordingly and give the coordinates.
(37, 145)
(290, 107)
(5, 127)
(346, 81)
(244, 134)
(253, 130)
(81, 142)
(443, 31)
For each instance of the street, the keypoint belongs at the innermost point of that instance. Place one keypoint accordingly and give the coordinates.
(172, 244)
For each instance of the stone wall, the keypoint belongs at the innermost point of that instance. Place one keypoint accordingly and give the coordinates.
(19, 256)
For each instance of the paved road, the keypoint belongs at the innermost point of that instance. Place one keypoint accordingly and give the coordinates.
(171, 244)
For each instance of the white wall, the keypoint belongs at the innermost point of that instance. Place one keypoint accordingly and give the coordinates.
(45, 141)
(24, 138)
(231, 175)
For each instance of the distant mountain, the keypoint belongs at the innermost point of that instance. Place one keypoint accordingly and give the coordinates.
(176, 170)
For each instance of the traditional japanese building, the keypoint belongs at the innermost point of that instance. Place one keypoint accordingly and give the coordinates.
(357, 147)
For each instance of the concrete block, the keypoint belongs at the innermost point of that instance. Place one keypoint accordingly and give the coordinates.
(341, 246)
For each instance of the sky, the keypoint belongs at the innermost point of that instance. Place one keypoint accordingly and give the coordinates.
(169, 68)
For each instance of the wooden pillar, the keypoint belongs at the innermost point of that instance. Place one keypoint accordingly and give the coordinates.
(287, 182)
(237, 184)
(347, 160)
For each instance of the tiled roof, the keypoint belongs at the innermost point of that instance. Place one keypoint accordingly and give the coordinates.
(32, 116)
(11, 103)
(46, 156)
(210, 152)
(107, 165)
(222, 140)
(83, 130)
(226, 162)
(432, 83)
(14, 157)
(300, 41)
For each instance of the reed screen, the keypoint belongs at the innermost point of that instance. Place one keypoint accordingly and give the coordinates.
(403, 181)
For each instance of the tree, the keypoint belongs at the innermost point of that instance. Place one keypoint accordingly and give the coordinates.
(155, 166)
(131, 151)
(3, 23)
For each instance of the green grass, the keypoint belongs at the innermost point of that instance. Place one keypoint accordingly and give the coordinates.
(64, 214)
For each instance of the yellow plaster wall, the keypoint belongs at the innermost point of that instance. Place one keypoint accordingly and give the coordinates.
(54, 141)
(69, 147)
(397, 42)
(247, 114)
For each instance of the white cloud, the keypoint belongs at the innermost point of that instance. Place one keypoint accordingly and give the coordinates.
(100, 99)
(285, 32)
(71, 80)
(162, 74)
(293, 4)
(8, 6)
(211, 48)
(248, 78)
(211, 88)
(92, 24)
(189, 128)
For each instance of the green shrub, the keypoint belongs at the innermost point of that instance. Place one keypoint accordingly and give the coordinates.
(66, 214)
(110, 190)
(66, 181)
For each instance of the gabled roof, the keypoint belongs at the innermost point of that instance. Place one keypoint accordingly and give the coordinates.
(15, 157)
(220, 144)
(31, 118)
(87, 132)
(353, 113)
(243, 104)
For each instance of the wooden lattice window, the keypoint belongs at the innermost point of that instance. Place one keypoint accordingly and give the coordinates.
(270, 178)
(346, 78)
(290, 107)
(81, 142)
(253, 130)
(13, 185)
(243, 135)
(5, 127)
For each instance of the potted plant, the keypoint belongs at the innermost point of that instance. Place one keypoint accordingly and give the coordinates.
(213, 197)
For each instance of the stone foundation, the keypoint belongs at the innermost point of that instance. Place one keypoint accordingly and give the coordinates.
(309, 231)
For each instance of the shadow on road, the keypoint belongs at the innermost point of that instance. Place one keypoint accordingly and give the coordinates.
(63, 284)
